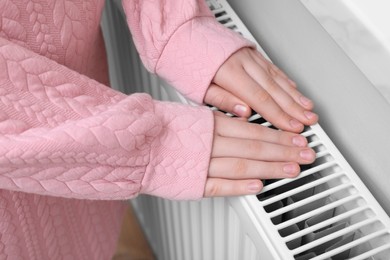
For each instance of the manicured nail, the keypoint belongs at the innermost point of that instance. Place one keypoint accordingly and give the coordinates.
(254, 187)
(290, 168)
(299, 141)
(240, 110)
(295, 124)
(309, 115)
(307, 155)
(305, 101)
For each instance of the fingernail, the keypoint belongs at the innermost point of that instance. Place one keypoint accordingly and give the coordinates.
(254, 187)
(307, 155)
(309, 115)
(305, 101)
(299, 141)
(290, 169)
(295, 124)
(240, 110)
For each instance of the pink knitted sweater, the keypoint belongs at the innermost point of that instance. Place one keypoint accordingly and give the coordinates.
(71, 148)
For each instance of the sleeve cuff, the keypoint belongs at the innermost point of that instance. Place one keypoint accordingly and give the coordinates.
(180, 157)
(195, 52)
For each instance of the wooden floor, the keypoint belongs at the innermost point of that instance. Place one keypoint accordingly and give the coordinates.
(132, 244)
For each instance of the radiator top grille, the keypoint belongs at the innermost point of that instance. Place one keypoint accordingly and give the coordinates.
(324, 213)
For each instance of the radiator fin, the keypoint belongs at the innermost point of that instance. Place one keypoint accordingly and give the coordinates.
(183, 230)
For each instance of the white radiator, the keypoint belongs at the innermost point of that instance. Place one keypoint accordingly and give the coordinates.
(325, 213)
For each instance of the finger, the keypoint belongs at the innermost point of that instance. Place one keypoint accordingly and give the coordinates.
(227, 127)
(216, 187)
(218, 113)
(225, 101)
(257, 98)
(283, 80)
(300, 99)
(263, 61)
(260, 150)
(234, 168)
(275, 85)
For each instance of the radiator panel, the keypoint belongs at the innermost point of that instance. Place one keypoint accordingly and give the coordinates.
(325, 213)
(208, 229)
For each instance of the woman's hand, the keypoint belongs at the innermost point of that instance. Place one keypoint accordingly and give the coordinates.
(243, 153)
(247, 79)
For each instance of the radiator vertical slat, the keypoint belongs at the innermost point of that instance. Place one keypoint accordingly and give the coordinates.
(169, 222)
(149, 217)
(196, 233)
(157, 89)
(176, 224)
(145, 85)
(233, 231)
(207, 228)
(248, 250)
(220, 227)
(136, 68)
(163, 248)
(185, 230)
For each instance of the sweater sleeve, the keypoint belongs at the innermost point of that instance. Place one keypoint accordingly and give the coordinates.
(63, 134)
(181, 41)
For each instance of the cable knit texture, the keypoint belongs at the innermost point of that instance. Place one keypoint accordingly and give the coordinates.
(191, 44)
(71, 148)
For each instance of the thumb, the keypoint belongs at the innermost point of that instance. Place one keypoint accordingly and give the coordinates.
(226, 101)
